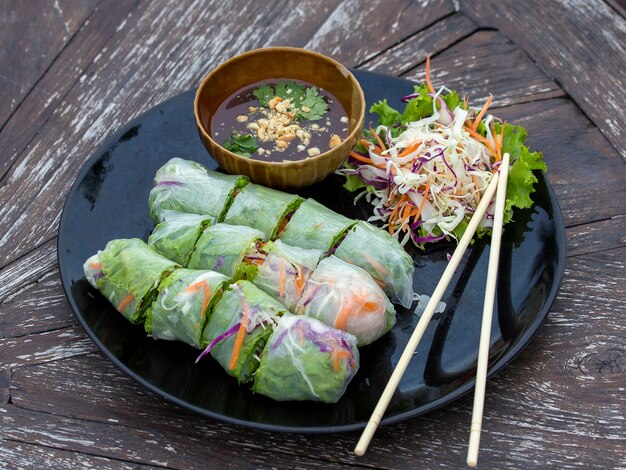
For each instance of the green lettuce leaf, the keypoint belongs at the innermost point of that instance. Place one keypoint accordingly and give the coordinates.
(354, 182)
(452, 99)
(419, 107)
(387, 116)
(521, 178)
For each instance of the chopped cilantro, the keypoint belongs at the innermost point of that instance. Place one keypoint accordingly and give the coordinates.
(264, 94)
(241, 144)
(315, 104)
(307, 101)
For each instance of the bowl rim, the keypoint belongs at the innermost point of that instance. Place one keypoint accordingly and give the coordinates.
(343, 69)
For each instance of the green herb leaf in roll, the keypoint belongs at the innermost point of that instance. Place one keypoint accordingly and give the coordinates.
(344, 296)
(222, 248)
(306, 360)
(238, 329)
(177, 235)
(285, 271)
(181, 309)
(382, 257)
(315, 226)
(261, 208)
(128, 273)
(187, 186)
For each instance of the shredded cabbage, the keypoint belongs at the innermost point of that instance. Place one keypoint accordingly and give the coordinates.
(424, 170)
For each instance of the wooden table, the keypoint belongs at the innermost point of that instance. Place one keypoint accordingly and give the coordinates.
(73, 71)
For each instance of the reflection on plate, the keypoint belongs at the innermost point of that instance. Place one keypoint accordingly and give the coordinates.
(110, 200)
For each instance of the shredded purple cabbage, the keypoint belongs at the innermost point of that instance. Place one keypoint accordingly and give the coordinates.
(407, 98)
(219, 262)
(321, 340)
(170, 183)
(217, 340)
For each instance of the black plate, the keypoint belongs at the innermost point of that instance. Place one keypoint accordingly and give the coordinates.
(110, 200)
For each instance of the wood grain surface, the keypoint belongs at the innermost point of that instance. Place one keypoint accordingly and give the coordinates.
(75, 71)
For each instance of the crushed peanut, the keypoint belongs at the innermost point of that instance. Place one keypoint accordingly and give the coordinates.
(334, 141)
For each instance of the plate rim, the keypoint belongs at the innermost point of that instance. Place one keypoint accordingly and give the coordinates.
(501, 362)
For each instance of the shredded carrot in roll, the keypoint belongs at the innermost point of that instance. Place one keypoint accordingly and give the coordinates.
(126, 301)
(241, 334)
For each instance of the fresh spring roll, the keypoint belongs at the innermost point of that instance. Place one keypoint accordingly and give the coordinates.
(344, 296)
(315, 226)
(306, 360)
(285, 271)
(238, 329)
(128, 273)
(177, 235)
(261, 208)
(181, 309)
(382, 257)
(187, 186)
(223, 247)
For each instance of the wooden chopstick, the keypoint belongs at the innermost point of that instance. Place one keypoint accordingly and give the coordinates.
(485, 330)
(410, 348)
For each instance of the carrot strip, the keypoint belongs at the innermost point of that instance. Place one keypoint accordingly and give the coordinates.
(477, 194)
(481, 139)
(402, 199)
(95, 265)
(378, 139)
(377, 150)
(206, 288)
(363, 159)
(299, 280)
(281, 279)
(342, 317)
(240, 335)
(338, 354)
(499, 142)
(409, 149)
(428, 83)
(426, 191)
(377, 266)
(405, 214)
(207, 297)
(126, 301)
(482, 112)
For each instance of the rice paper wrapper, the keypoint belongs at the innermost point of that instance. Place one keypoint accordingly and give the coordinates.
(187, 186)
(382, 257)
(285, 271)
(181, 309)
(261, 314)
(344, 296)
(261, 208)
(306, 360)
(128, 272)
(177, 235)
(314, 226)
(222, 247)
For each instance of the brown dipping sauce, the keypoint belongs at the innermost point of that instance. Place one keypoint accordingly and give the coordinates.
(295, 140)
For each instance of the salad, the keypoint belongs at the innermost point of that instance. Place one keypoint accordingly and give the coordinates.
(424, 169)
